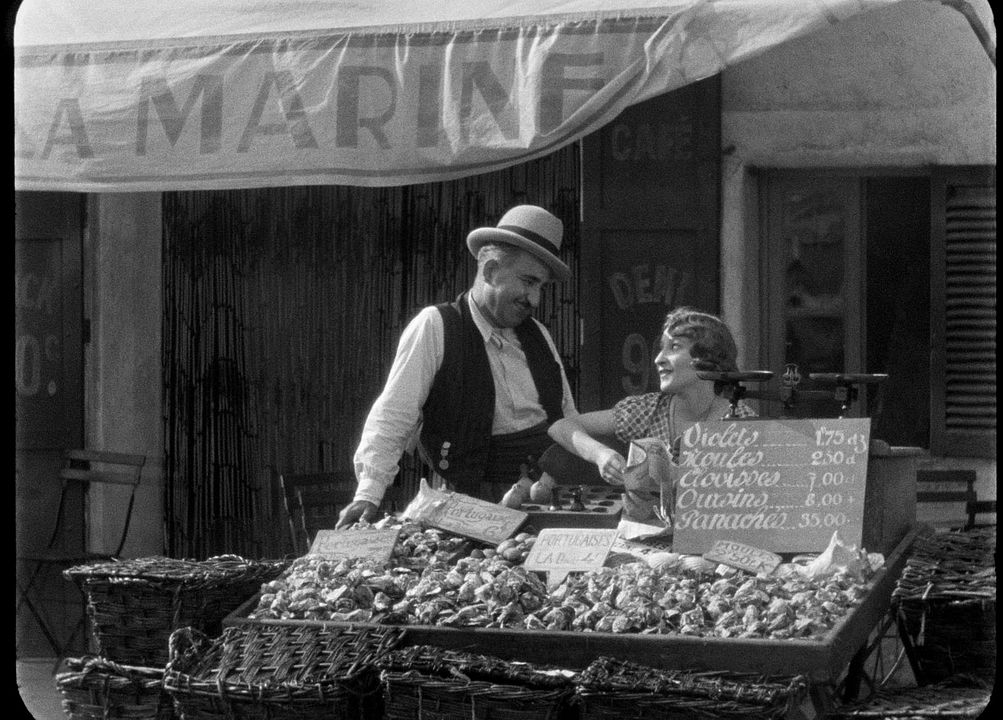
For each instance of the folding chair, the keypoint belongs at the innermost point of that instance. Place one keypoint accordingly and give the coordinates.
(975, 508)
(81, 468)
(947, 500)
(312, 502)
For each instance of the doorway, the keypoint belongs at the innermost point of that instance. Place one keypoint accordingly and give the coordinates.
(847, 290)
(48, 380)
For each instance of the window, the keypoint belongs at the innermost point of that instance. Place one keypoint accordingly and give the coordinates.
(888, 273)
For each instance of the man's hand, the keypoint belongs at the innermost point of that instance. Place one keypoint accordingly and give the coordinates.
(359, 509)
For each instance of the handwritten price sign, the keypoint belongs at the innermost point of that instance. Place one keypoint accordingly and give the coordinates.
(785, 485)
(374, 544)
(477, 519)
(744, 557)
(558, 551)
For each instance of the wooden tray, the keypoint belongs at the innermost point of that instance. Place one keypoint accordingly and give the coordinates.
(602, 505)
(821, 660)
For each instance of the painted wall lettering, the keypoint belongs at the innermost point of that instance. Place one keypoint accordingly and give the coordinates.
(657, 288)
(653, 141)
(649, 283)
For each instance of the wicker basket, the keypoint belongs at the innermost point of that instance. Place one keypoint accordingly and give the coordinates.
(96, 688)
(945, 602)
(278, 672)
(134, 605)
(612, 689)
(426, 683)
(954, 699)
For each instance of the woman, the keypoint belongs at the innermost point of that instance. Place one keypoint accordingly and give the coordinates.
(688, 336)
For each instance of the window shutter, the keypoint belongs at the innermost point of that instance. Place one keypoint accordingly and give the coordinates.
(967, 414)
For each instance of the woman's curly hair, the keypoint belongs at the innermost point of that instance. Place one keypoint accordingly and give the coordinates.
(713, 346)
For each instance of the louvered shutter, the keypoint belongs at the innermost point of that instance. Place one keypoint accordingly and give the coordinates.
(967, 412)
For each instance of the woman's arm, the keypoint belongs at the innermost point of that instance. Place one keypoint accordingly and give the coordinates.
(577, 434)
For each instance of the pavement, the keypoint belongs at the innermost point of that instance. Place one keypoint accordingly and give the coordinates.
(36, 685)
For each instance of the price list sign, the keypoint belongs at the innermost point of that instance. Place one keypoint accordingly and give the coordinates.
(781, 485)
(371, 543)
(477, 519)
(559, 551)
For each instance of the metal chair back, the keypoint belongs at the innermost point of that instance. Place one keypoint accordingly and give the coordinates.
(83, 469)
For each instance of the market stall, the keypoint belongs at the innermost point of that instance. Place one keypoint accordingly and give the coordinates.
(736, 603)
(456, 607)
(459, 608)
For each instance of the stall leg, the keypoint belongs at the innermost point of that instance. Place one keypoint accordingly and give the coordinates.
(854, 674)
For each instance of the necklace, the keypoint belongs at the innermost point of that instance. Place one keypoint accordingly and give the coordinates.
(673, 412)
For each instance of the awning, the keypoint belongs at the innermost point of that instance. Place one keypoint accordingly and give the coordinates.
(137, 95)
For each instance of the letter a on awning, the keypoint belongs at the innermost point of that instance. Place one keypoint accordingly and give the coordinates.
(148, 95)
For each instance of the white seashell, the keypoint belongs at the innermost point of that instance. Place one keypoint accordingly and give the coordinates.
(663, 560)
(697, 564)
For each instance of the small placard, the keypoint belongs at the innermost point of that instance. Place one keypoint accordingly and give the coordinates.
(743, 557)
(784, 485)
(373, 544)
(558, 551)
(477, 519)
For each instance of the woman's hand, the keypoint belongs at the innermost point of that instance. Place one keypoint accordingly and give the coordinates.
(611, 465)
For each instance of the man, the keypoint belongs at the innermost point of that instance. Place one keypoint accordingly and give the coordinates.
(479, 379)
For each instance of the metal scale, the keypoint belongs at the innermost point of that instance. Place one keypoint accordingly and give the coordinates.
(846, 387)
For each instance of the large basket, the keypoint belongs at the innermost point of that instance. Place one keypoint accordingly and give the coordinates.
(96, 688)
(945, 603)
(611, 689)
(947, 700)
(424, 682)
(277, 672)
(134, 605)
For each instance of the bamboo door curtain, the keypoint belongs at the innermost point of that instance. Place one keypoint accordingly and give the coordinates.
(113, 96)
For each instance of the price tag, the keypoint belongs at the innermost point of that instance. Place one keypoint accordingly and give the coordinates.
(785, 485)
(374, 544)
(743, 557)
(477, 519)
(558, 551)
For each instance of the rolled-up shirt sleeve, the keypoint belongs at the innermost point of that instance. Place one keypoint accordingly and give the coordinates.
(394, 419)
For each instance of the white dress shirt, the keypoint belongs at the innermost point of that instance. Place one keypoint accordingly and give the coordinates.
(394, 422)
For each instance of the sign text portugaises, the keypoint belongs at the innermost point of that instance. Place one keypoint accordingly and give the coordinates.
(558, 551)
(477, 519)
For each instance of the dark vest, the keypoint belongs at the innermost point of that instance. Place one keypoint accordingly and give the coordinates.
(460, 405)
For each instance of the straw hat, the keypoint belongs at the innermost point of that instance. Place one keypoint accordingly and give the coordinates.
(529, 228)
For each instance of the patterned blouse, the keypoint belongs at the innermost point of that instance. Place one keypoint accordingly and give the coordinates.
(649, 416)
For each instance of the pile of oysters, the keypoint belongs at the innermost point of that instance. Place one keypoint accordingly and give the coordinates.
(434, 578)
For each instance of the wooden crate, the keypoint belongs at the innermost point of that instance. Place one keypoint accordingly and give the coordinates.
(822, 661)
